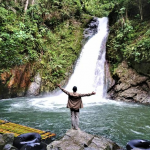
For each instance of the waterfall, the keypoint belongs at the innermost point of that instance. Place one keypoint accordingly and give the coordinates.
(88, 75)
(89, 71)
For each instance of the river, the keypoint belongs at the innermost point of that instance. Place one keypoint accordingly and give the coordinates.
(117, 121)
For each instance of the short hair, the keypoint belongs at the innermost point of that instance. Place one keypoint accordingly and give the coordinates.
(74, 89)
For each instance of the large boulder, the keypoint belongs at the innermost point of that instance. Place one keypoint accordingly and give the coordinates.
(2, 142)
(129, 85)
(6, 141)
(34, 88)
(91, 29)
(80, 140)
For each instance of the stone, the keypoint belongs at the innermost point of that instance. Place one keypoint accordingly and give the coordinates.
(8, 138)
(130, 86)
(34, 87)
(92, 28)
(110, 82)
(9, 147)
(122, 86)
(148, 83)
(128, 75)
(80, 140)
(101, 143)
(15, 81)
(89, 148)
(2, 142)
(80, 137)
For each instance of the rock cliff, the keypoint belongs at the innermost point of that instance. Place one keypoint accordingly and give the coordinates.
(129, 85)
(15, 82)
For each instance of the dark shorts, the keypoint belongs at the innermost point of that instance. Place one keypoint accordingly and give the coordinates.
(74, 110)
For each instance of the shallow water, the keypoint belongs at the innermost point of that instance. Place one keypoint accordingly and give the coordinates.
(117, 121)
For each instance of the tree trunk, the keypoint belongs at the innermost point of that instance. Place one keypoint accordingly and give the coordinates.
(32, 3)
(22, 2)
(126, 14)
(141, 9)
(26, 6)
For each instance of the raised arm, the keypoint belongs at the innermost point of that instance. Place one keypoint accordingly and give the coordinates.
(88, 94)
(63, 89)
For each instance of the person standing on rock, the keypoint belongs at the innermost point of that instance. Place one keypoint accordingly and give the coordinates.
(75, 103)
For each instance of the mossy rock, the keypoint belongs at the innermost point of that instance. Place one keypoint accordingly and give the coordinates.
(142, 68)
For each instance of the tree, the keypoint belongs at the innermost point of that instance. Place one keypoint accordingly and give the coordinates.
(32, 2)
(26, 5)
(141, 4)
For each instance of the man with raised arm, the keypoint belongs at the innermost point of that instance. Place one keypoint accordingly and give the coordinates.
(75, 103)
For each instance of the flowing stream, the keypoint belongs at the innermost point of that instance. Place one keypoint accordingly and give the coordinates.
(117, 121)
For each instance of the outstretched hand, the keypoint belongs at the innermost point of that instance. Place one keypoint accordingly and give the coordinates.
(93, 93)
(58, 85)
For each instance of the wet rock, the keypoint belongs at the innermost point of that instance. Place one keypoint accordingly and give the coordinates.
(110, 82)
(15, 82)
(2, 143)
(9, 147)
(8, 138)
(6, 141)
(79, 140)
(101, 143)
(34, 87)
(91, 29)
(130, 85)
(148, 83)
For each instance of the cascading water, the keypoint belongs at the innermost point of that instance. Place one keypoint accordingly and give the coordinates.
(88, 75)
(89, 72)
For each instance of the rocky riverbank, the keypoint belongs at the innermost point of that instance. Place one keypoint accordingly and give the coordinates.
(80, 140)
(72, 140)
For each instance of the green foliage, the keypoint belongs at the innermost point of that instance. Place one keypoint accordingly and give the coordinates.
(97, 8)
(128, 42)
(49, 36)
(139, 52)
(60, 56)
(49, 33)
(20, 39)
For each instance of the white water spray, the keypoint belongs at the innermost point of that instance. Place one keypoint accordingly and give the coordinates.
(88, 75)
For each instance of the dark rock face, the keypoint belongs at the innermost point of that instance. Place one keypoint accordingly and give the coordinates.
(130, 86)
(91, 29)
(15, 82)
(109, 82)
(79, 140)
(142, 68)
